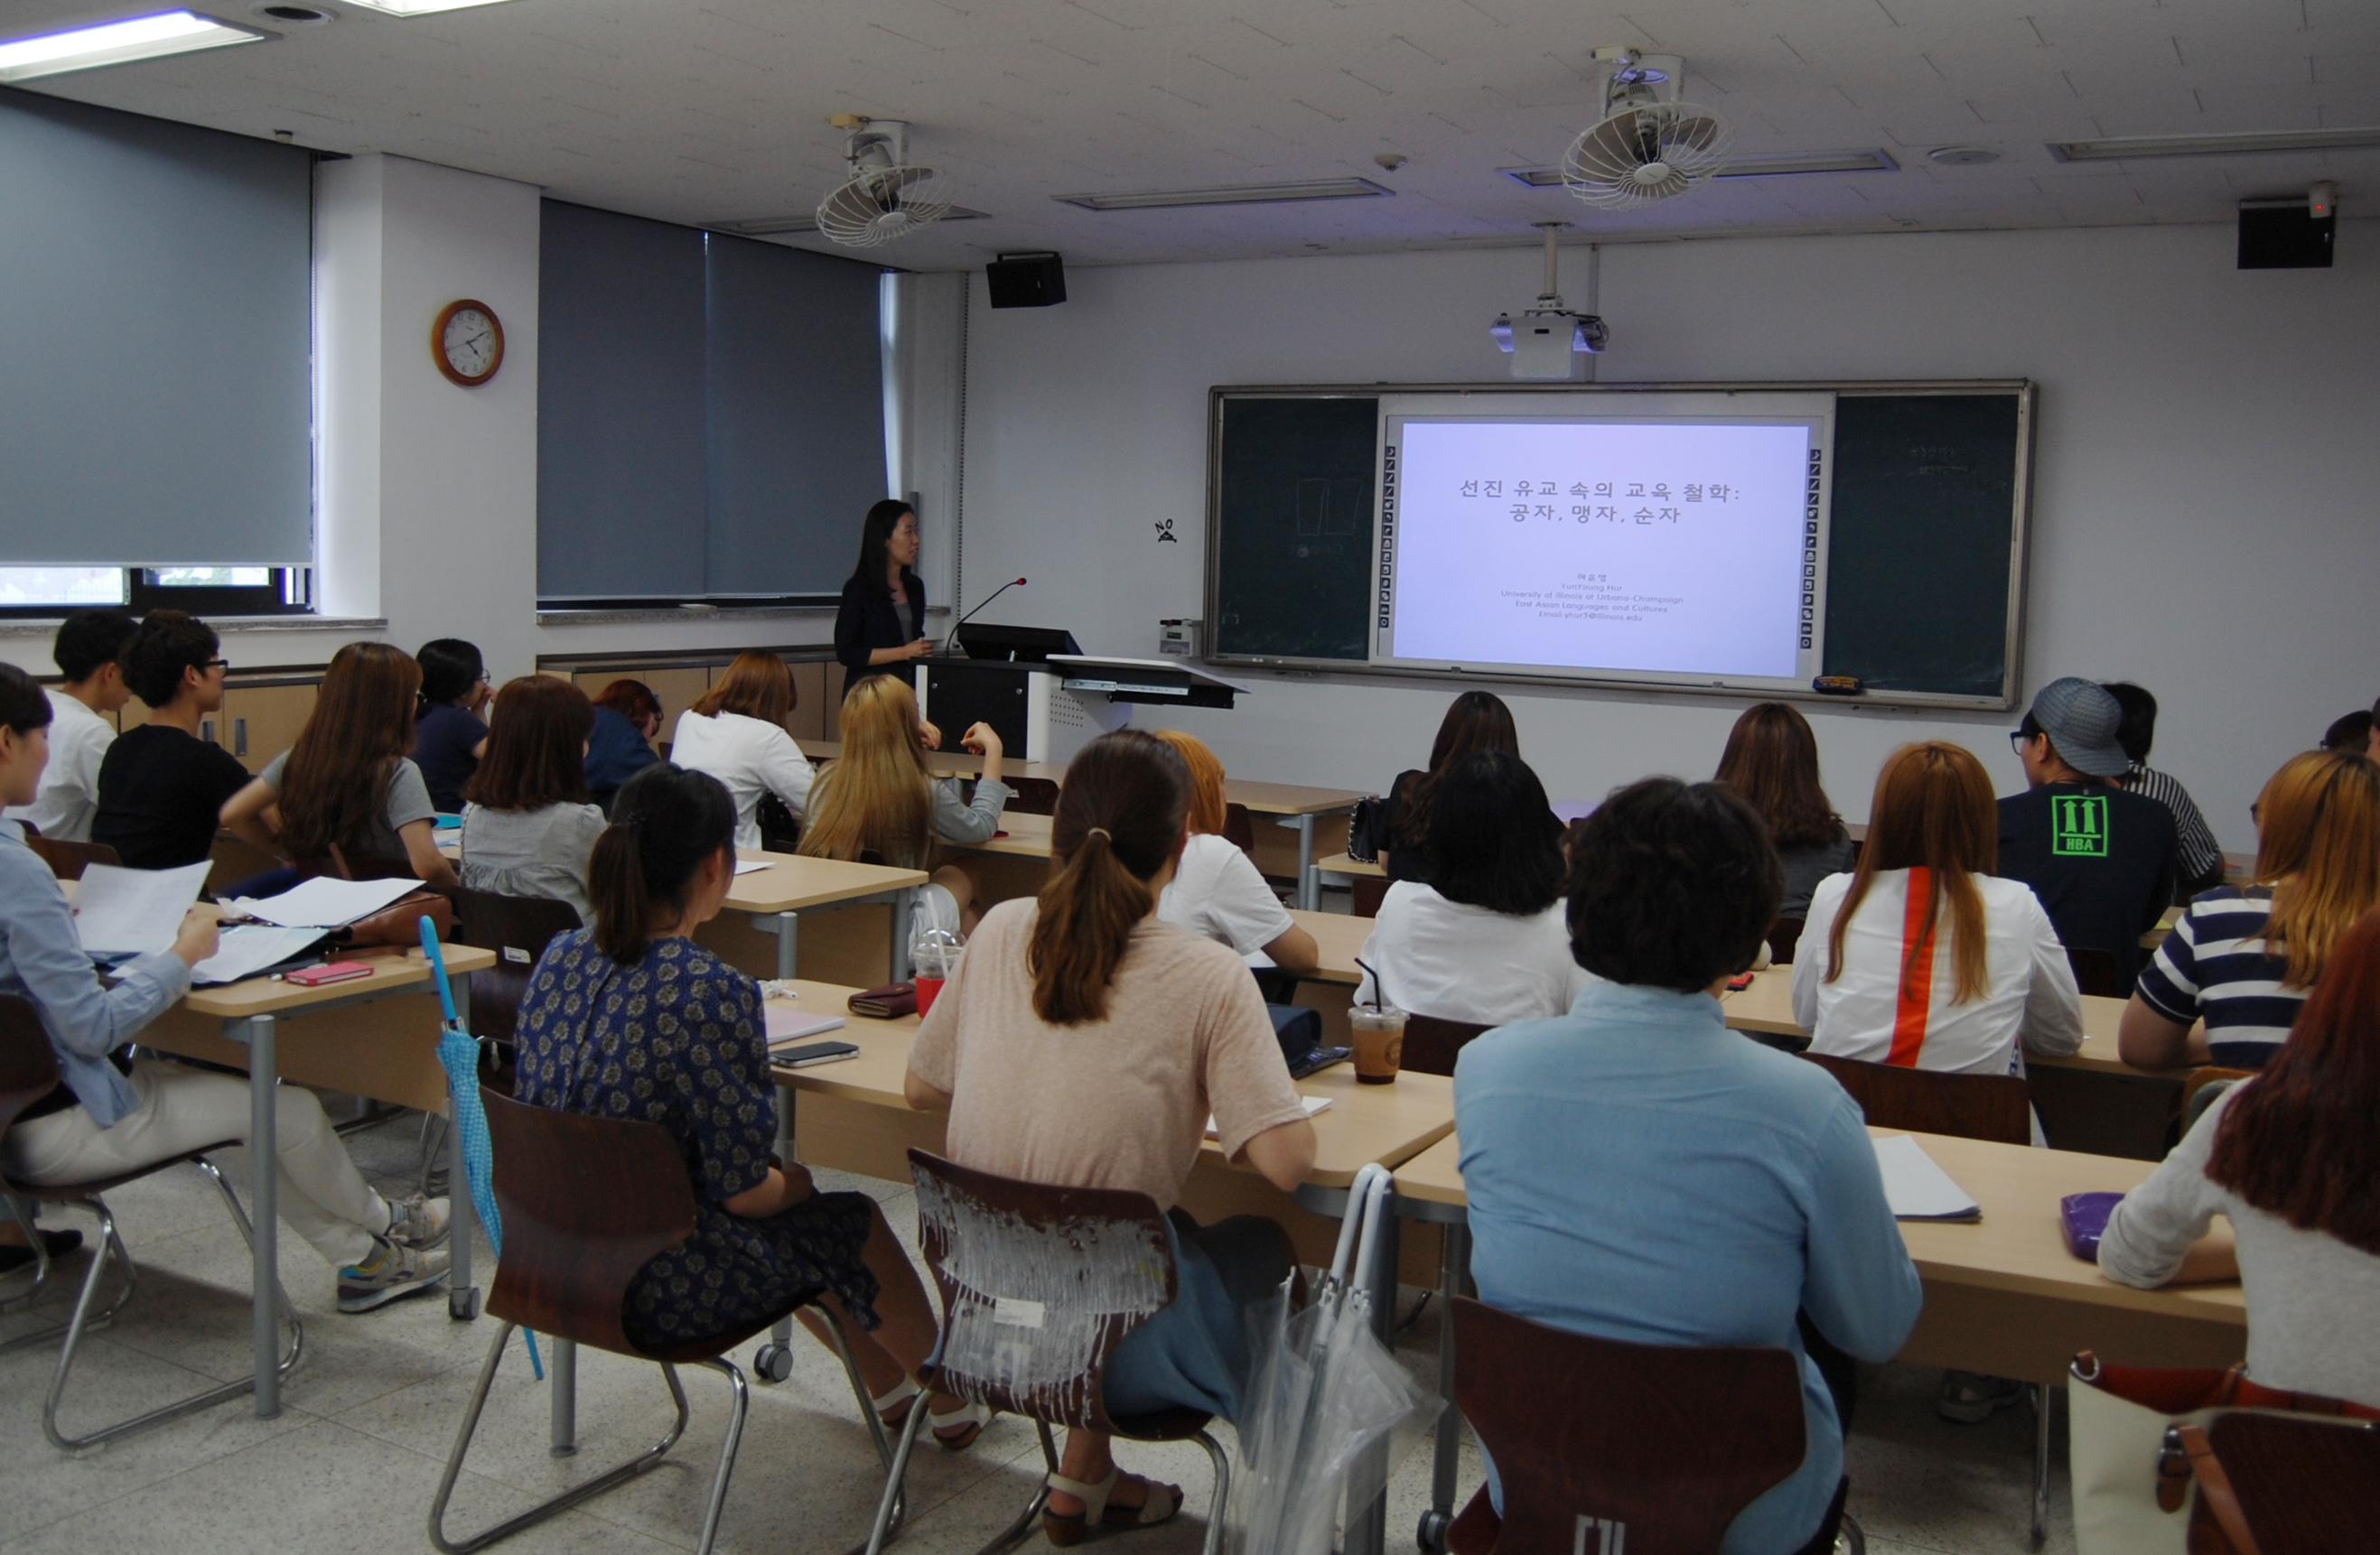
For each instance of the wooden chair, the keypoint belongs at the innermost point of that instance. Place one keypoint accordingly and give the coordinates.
(1606, 1446)
(586, 1203)
(29, 1071)
(1366, 893)
(1033, 796)
(1783, 935)
(2205, 1086)
(2303, 1482)
(517, 929)
(1930, 1102)
(1239, 829)
(1045, 1247)
(2096, 973)
(1431, 1044)
(67, 860)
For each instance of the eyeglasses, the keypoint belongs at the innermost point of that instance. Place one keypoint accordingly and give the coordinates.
(2016, 741)
(222, 665)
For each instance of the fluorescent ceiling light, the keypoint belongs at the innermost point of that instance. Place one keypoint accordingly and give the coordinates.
(418, 8)
(1744, 166)
(1233, 194)
(776, 226)
(2124, 147)
(119, 42)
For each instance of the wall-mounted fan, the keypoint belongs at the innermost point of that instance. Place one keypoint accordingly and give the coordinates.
(1649, 144)
(886, 196)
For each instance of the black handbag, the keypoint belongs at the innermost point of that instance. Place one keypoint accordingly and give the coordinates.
(780, 832)
(1368, 829)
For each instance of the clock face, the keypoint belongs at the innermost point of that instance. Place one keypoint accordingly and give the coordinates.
(470, 343)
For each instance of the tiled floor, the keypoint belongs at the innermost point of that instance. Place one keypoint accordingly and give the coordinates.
(369, 1415)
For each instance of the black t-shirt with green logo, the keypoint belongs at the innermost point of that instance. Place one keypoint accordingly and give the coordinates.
(2104, 862)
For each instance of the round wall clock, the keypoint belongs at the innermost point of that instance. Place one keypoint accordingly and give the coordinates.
(467, 342)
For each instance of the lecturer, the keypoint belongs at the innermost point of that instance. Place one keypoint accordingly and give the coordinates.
(881, 623)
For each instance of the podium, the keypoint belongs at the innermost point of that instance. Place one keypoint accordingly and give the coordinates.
(1045, 697)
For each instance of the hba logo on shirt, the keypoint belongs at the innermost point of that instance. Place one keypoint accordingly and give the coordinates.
(1599, 1536)
(2077, 825)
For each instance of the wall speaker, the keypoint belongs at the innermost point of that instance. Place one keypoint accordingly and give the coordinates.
(2284, 235)
(1027, 280)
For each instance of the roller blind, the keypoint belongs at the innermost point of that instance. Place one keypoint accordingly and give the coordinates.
(156, 334)
(711, 413)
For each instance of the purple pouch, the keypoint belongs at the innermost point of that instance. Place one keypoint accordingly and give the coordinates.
(2084, 1216)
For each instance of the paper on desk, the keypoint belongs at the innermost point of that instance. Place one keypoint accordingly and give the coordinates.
(324, 903)
(786, 1023)
(746, 866)
(249, 948)
(131, 912)
(1313, 1104)
(1917, 1187)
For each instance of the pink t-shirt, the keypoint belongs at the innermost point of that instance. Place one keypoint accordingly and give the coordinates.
(1117, 1103)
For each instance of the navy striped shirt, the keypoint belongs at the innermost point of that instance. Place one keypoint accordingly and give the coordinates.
(2213, 964)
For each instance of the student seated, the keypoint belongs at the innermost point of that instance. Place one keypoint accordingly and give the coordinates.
(82, 726)
(1484, 942)
(2202, 857)
(878, 797)
(1215, 892)
(2104, 862)
(1477, 721)
(1082, 1042)
(1772, 762)
(1922, 957)
(735, 732)
(2350, 731)
(2291, 1160)
(2243, 959)
(111, 1115)
(627, 719)
(527, 830)
(347, 793)
(449, 738)
(629, 1018)
(1638, 1172)
(161, 787)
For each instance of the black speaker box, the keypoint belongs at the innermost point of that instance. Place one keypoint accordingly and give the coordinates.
(2285, 236)
(1027, 280)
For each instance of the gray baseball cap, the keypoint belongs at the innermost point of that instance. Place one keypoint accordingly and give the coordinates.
(2081, 718)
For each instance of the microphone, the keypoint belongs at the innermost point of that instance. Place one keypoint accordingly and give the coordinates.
(1011, 583)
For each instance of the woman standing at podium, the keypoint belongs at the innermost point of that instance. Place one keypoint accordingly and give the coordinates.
(881, 626)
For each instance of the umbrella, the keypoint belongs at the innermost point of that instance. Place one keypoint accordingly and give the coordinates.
(459, 1051)
(1327, 1406)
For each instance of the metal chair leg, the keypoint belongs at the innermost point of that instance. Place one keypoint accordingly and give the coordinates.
(1022, 1526)
(1222, 1492)
(879, 1534)
(22, 1214)
(742, 1406)
(2045, 1397)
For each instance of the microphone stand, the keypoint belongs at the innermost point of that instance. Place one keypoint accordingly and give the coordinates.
(1012, 583)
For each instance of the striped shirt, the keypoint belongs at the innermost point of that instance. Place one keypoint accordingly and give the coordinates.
(2213, 966)
(2200, 854)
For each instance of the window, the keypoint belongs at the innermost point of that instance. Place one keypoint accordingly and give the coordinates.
(47, 593)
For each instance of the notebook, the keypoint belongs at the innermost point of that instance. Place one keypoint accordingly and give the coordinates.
(787, 1023)
(1917, 1187)
(1313, 1104)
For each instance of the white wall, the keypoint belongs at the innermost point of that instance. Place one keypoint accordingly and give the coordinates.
(2205, 479)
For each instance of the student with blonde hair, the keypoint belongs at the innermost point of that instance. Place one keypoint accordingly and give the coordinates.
(877, 798)
(2244, 959)
(1216, 891)
(735, 732)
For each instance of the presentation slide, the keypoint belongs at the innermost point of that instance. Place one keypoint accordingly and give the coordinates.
(1672, 546)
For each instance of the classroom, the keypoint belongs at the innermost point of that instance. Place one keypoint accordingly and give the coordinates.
(1596, 775)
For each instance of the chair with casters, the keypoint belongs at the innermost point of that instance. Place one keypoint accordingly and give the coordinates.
(1783, 935)
(1048, 1247)
(2098, 973)
(2205, 1086)
(67, 860)
(1994, 1107)
(1659, 1450)
(587, 1202)
(1431, 1044)
(29, 1072)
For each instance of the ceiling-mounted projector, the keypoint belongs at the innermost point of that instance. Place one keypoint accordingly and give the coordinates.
(1548, 340)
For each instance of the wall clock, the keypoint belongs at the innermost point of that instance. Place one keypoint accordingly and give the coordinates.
(467, 342)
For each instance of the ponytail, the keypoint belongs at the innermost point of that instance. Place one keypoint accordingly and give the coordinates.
(666, 823)
(1119, 819)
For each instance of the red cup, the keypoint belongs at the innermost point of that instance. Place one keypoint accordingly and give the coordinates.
(928, 990)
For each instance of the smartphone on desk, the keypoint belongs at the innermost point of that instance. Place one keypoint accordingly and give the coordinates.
(807, 1053)
(337, 972)
(1741, 981)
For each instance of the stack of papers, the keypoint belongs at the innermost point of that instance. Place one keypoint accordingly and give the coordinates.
(324, 902)
(1917, 1187)
(786, 1025)
(133, 912)
(249, 948)
(1313, 1104)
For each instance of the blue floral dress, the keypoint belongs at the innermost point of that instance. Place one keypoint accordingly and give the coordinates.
(676, 1039)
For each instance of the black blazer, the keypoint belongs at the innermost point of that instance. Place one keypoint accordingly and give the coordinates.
(863, 624)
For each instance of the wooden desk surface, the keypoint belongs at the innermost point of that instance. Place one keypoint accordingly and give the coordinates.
(791, 883)
(952, 762)
(1337, 936)
(1026, 836)
(1264, 798)
(1340, 864)
(1384, 1124)
(392, 970)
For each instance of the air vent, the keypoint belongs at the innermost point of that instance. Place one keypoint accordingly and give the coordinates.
(1229, 194)
(1744, 167)
(2126, 147)
(777, 226)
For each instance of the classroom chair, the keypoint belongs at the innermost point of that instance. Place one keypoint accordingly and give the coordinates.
(517, 929)
(28, 1071)
(1240, 829)
(1606, 1446)
(1049, 1250)
(1032, 796)
(67, 860)
(1994, 1107)
(2204, 1087)
(2301, 1482)
(2096, 973)
(586, 1203)
(1783, 935)
(1366, 893)
(1431, 1044)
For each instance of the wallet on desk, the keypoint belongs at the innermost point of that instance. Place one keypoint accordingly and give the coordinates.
(889, 1003)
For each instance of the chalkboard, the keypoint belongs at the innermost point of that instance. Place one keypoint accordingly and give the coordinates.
(1922, 591)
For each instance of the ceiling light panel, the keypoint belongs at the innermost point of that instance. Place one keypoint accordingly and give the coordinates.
(1744, 166)
(1233, 194)
(2128, 146)
(119, 42)
(418, 8)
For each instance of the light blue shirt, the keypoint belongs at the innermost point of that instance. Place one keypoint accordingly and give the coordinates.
(1638, 1172)
(41, 960)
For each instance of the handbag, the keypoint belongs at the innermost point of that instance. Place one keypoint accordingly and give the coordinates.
(2138, 1447)
(399, 923)
(1367, 829)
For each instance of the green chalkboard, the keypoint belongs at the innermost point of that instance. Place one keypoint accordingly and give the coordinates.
(1290, 526)
(1918, 559)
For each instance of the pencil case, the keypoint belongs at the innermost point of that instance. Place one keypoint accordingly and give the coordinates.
(2084, 1218)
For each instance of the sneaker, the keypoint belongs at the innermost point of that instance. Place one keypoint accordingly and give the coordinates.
(1970, 1398)
(390, 1274)
(418, 1221)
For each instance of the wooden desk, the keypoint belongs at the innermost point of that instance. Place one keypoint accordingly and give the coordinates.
(2165, 923)
(1339, 937)
(1025, 836)
(774, 896)
(1342, 864)
(357, 1037)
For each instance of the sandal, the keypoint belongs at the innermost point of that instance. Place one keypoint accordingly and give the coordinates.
(1066, 1531)
(954, 1430)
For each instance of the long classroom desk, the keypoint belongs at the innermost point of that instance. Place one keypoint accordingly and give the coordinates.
(354, 1037)
(791, 884)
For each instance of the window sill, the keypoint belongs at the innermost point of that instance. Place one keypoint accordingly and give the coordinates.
(37, 626)
(607, 617)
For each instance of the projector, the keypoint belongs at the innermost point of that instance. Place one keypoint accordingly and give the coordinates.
(1545, 342)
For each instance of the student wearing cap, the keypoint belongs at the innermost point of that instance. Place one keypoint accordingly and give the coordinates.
(2102, 861)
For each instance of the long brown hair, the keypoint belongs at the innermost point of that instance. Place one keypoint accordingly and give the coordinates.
(756, 685)
(2302, 1140)
(537, 746)
(1476, 720)
(1932, 811)
(2318, 848)
(1119, 819)
(336, 777)
(1772, 762)
(876, 797)
(1207, 806)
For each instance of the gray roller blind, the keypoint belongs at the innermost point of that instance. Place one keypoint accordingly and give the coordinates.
(711, 418)
(156, 335)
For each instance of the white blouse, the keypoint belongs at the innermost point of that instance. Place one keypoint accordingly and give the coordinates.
(1457, 962)
(751, 756)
